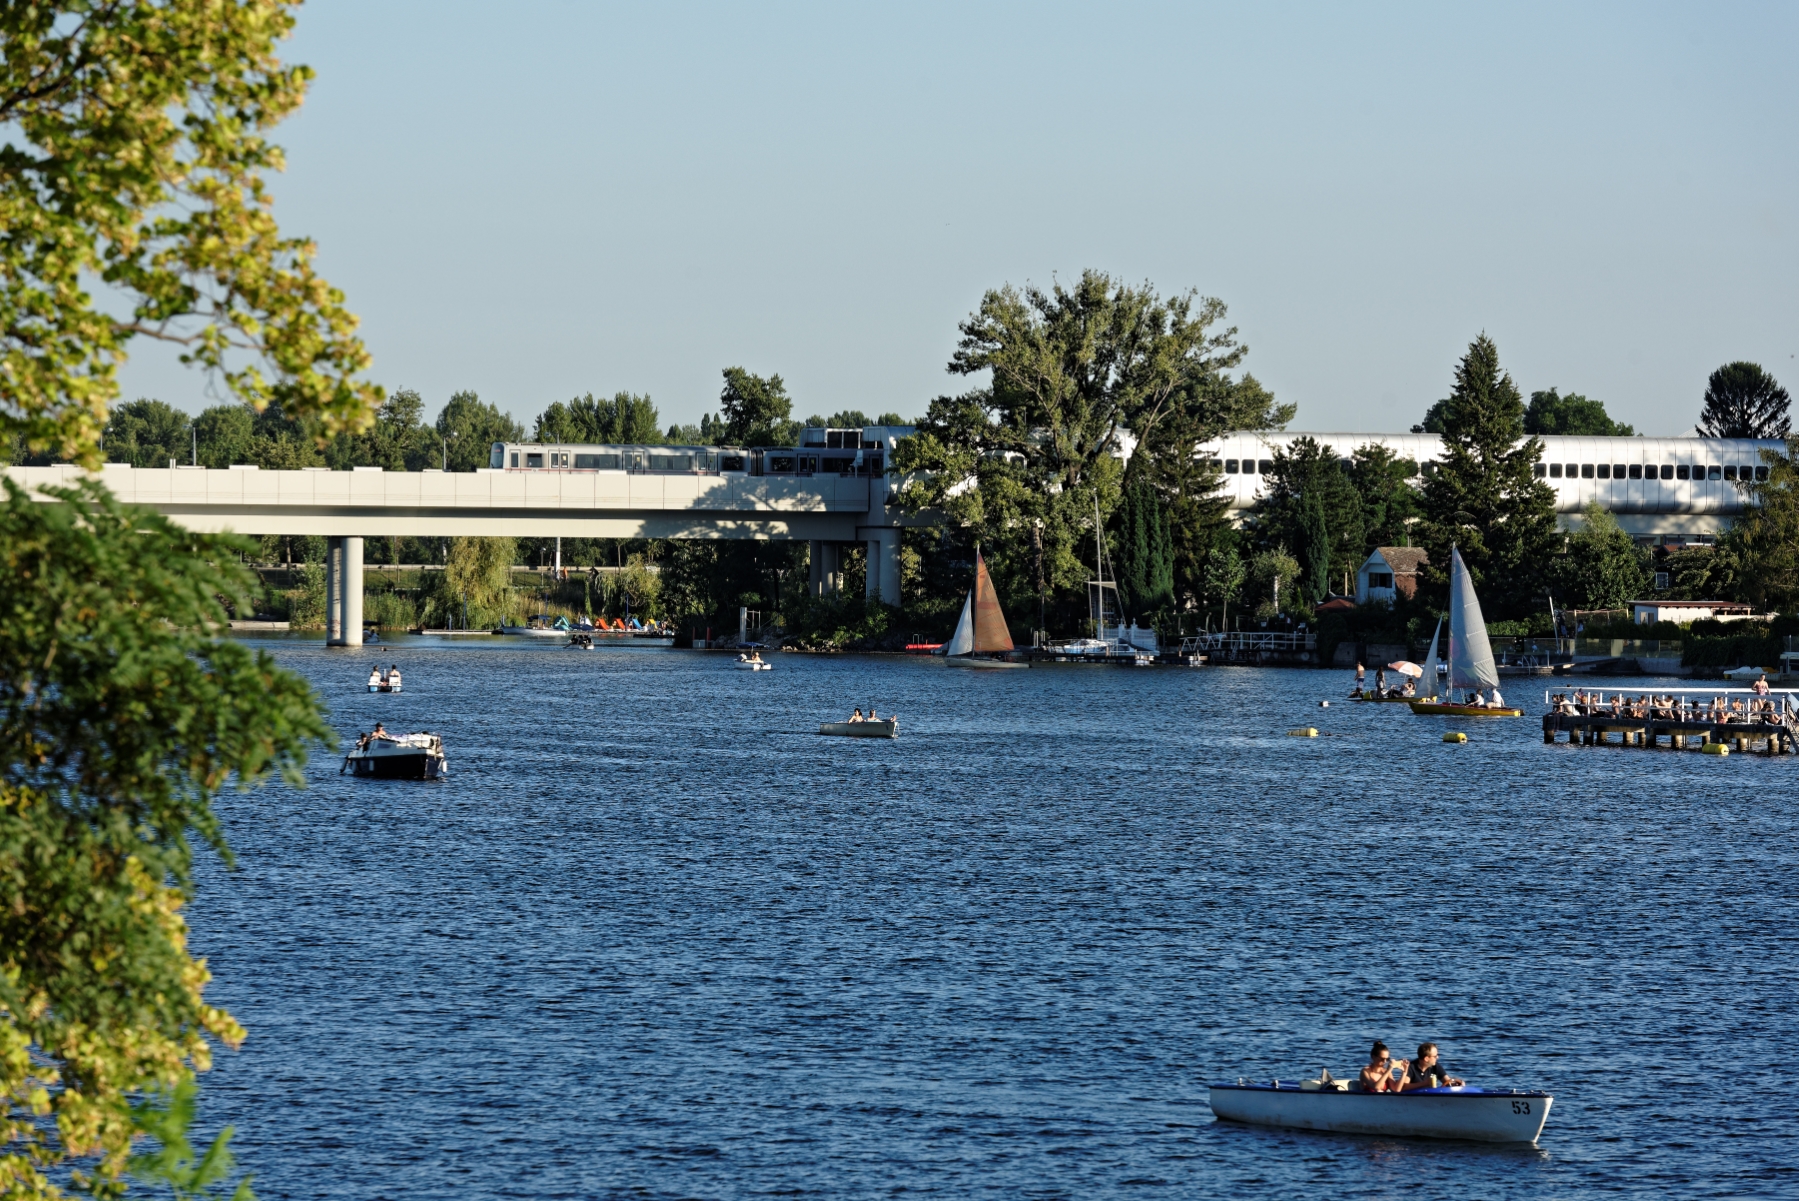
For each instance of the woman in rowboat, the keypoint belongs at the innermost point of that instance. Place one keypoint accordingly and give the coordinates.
(1378, 1077)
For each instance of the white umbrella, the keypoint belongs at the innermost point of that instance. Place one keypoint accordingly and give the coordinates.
(1407, 668)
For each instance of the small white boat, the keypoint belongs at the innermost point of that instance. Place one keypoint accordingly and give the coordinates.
(397, 757)
(384, 687)
(744, 664)
(886, 727)
(1481, 1114)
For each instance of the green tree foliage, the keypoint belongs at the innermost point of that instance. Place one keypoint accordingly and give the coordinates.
(1390, 503)
(702, 583)
(1701, 573)
(148, 433)
(1274, 573)
(121, 718)
(626, 418)
(1743, 401)
(476, 580)
(1551, 413)
(1310, 503)
(399, 439)
(1483, 497)
(1603, 568)
(1225, 574)
(132, 205)
(227, 435)
(472, 427)
(1144, 553)
(1763, 546)
(1074, 371)
(757, 411)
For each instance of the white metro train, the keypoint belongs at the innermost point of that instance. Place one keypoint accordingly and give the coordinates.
(1657, 487)
(822, 451)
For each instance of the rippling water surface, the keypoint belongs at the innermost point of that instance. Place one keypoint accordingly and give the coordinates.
(656, 938)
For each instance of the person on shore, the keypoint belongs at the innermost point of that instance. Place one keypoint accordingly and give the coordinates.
(1377, 1076)
(1426, 1072)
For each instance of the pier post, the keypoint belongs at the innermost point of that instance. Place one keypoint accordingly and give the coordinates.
(883, 581)
(343, 592)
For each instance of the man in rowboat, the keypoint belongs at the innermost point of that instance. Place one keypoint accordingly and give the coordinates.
(1426, 1072)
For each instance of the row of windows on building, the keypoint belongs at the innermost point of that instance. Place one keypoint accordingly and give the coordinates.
(1558, 471)
(1650, 471)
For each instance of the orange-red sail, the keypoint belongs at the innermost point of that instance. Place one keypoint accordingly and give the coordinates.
(990, 632)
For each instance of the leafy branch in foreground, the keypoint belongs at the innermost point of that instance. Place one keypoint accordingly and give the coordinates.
(135, 162)
(121, 717)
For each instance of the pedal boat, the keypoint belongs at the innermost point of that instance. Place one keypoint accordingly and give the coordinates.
(1479, 1114)
(386, 687)
(400, 757)
(743, 664)
(1441, 709)
(887, 727)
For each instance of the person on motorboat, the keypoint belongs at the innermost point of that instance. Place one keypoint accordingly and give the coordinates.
(871, 714)
(381, 733)
(375, 680)
(857, 715)
(393, 676)
(1426, 1072)
(1377, 1076)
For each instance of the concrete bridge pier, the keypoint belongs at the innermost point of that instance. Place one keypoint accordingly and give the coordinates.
(343, 592)
(883, 582)
(826, 574)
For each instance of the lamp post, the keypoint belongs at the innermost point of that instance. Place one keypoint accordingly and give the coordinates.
(446, 443)
(194, 430)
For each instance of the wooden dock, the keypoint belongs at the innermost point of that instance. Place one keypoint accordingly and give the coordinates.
(1597, 730)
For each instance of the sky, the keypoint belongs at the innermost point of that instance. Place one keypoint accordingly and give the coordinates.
(535, 201)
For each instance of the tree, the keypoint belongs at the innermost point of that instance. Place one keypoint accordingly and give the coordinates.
(399, 440)
(1274, 572)
(1743, 401)
(478, 574)
(1603, 568)
(1550, 413)
(121, 718)
(1390, 503)
(1073, 373)
(226, 433)
(757, 411)
(1145, 562)
(147, 433)
(626, 419)
(132, 205)
(1761, 551)
(1310, 503)
(1483, 496)
(1224, 576)
(472, 428)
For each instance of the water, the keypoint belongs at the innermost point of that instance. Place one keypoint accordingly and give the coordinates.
(654, 938)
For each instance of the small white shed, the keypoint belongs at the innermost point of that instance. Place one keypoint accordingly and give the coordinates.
(1389, 573)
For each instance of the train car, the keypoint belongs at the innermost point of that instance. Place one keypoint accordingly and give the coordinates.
(1655, 486)
(822, 451)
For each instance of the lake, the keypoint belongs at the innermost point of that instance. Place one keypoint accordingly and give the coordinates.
(655, 938)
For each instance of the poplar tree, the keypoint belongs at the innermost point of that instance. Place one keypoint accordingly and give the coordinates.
(1483, 495)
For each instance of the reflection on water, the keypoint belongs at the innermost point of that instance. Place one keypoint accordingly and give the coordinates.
(654, 936)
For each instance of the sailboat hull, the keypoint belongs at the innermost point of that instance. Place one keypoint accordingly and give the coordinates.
(972, 661)
(1437, 709)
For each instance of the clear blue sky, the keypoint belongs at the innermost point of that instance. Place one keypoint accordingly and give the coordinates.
(539, 200)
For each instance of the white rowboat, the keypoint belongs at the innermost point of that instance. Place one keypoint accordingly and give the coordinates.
(1482, 1115)
(887, 727)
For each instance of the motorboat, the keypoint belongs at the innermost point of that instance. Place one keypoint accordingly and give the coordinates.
(1471, 665)
(579, 642)
(981, 638)
(1484, 1115)
(745, 663)
(397, 757)
(886, 727)
(382, 685)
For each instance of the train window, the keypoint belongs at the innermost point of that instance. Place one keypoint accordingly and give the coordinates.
(515, 458)
(1215, 464)
(1636, 471)
(840, 466)
(1586, 471)
(1573, 470)
(1713, 472)
(778, 463)
(1730, 471)
(1429, 468)
(730, 463)
(534, 460)
(1682, 471)
(1540, 470)
(871, 464)
(1266, 466)
(560, 458)
(1761, 473)
(1605, 471)
(1230, 467)
(1408, 468)
(1555, 471)
(597, 462)
(1617, 471)
(671, 462)
(1667, 471)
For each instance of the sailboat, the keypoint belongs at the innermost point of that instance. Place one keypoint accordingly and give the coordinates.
(1471, 664)
(982, 632)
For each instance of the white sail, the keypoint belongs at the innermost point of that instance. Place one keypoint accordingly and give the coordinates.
(962, 642)
(1470, 654)
(1427, 686)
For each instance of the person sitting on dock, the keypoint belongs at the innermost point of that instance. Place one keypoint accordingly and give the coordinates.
(1736, 710)
(1377, 1077)
(1426, 1072)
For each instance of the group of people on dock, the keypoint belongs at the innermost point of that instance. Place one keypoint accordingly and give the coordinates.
(1757, 710)
(1385, 1075)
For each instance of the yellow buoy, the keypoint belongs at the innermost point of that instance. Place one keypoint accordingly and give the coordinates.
(1453, 737)
(1714, 748)
(1308, 732)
